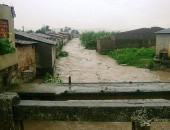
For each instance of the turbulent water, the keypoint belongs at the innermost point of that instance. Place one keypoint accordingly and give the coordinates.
(86, 66)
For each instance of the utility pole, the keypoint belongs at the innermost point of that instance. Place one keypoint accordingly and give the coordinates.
(23, 28)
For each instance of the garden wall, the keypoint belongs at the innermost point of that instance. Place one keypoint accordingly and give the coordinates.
(103, 46)
(125, 41)
(135, 41)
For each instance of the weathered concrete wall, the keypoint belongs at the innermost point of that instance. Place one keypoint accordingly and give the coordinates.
(136, 41)
(45, 58)
(8, 75)
(43, 54)
(6, 13)
(142, 113)
(126, 41)
(8, 60)
(162, 42)
(7, 101)
(53, 55)
(104, 46)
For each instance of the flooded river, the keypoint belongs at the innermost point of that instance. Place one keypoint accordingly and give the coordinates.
(86, 66)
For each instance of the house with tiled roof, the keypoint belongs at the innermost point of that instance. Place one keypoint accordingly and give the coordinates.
(45, 52)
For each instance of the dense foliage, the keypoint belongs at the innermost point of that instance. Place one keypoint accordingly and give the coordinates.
(5, 47)
(139, 57)
(89, 39)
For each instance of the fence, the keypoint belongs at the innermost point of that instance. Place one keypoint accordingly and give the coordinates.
(125, 41)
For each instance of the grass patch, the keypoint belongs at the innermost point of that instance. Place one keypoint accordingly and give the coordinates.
(138, 57)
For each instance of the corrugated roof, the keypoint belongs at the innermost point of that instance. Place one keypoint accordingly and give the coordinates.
(165, 31)
(36, 38)
(55, 36)
(41, 35)
(24, 42)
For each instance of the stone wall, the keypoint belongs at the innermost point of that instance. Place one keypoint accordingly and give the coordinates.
(8, 75)
(26, 57)
(26, 61)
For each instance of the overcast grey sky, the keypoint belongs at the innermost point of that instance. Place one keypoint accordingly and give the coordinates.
(85, 14)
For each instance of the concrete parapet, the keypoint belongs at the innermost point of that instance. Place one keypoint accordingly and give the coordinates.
(140, 112)
(7, 101)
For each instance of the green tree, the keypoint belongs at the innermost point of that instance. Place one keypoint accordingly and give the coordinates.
(30, 31)
(44, 29)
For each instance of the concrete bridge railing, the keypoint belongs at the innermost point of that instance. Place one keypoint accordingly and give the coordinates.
(14, 110)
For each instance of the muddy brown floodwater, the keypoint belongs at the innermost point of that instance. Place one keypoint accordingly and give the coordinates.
(86, 66)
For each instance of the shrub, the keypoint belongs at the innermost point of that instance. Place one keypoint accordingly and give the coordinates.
(89, 39)
(5, 47)
(139, 57)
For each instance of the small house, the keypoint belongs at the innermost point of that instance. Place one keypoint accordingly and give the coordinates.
(163, 44)
(45, 52)
(69, 35)
(64, 36)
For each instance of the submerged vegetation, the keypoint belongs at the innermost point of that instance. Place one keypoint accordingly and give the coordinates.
(139, 57)
(89, 39)
(62, 54)
(52, 79)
